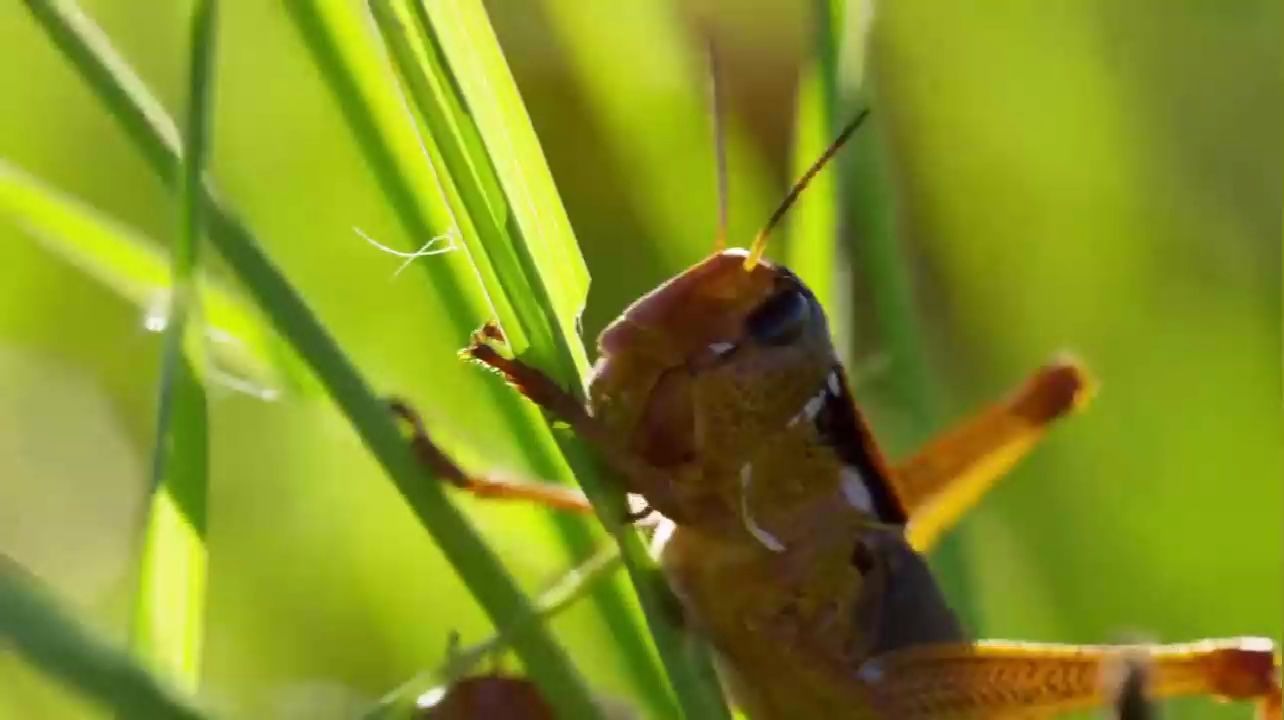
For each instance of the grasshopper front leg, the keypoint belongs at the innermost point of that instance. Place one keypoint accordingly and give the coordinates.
(998, 680)
(638, 474)
(486, 486)
(544, 392)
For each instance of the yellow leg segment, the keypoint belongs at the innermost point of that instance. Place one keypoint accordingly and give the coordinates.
(998, 680)
(950, 474)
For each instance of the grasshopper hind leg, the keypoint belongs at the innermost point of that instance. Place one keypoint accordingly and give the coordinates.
(997, 680)
(1131, 701)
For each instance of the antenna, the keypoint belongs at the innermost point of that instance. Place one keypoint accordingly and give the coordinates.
(716, 108)
(760, 242)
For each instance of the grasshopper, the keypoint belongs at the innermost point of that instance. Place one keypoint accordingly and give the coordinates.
(796, 547)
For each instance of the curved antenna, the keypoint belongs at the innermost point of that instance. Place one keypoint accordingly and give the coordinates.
(760, 242)
(716, 104)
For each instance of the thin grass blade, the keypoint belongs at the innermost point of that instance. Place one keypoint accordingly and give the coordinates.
(126, 98)
(242, 347)
(454, 71)
(548, 259)
(33, 624)
(551, 289)
(169, 615)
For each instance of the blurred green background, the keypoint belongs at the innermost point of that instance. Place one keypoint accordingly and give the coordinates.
(1097, 177)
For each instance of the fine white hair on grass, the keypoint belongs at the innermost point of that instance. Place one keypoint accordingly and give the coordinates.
(438, 245)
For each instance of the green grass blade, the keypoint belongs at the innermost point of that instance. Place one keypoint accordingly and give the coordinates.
(457, 48)
(335, 36)
(44, 634)
(115, 84)
(477, 190)
(169, 615)
(551, 300)
(550, 261)
(811, 249)
(396, 156)
(134, 267)
(137, 110)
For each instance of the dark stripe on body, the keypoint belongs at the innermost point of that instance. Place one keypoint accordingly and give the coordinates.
(841, 427)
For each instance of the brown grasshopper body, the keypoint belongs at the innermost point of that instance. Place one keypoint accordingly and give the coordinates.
(787, 532)
(795, 545)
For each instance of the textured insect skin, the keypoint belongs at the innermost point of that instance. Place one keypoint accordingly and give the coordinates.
(788, 552)
(719, 398)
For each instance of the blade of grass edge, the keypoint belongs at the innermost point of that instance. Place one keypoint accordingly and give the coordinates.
(408, 168)
(376, 117)
(469, 43)
(169, 612)
(549, 256)
(49, 638)
(124, 261)
(453, 141)
(128, 100)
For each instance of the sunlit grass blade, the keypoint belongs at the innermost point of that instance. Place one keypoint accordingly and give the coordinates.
(378, 119)
(126, 98)
(486, 191)
(241, 346)
(548, 258)
(169, 614)
(454, 70)
(812, 245)
(44, 634)
(335, 35)
(536, 258)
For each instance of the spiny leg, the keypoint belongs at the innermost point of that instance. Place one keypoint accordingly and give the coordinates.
(951, 473)
(641, 476)
(432, 457)
(1000, 680)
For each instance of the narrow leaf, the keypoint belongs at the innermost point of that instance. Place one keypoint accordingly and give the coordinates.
(170, 613)
(454, 143)
(44, 634)
(126, 98)
(242, 347)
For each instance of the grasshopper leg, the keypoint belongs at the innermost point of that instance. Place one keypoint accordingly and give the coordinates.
(993, 680)
(487, 486)
(641, 476)
(1131, 701)
(950, 474)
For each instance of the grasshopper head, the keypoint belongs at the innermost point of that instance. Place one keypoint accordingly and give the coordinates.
(710, 365)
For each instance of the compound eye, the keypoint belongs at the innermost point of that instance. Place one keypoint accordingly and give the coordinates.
(781, 319)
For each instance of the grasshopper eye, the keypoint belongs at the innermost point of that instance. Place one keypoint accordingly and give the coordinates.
(781, 319)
